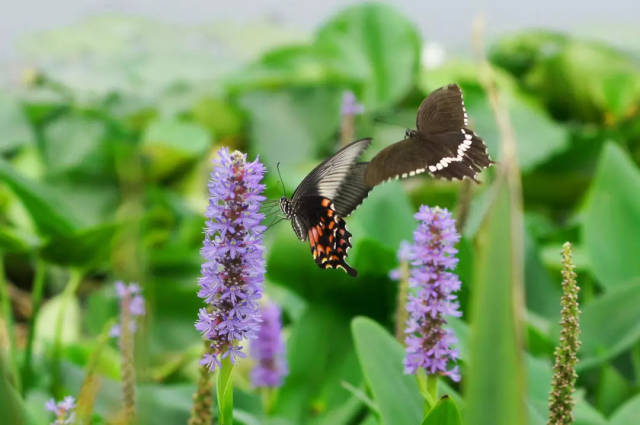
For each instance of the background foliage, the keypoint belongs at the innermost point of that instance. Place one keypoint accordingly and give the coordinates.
(105, 154)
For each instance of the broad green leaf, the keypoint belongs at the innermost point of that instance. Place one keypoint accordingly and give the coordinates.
(628, 413)
(164, 404)
(292, 126)
(444, 413)
(70, 140)
(49, 216)
(47, 319)
(14, 411)
(521, 52)
(316, 369)
(84, 248)
(610, 324)
(381, 359)
(376, 45)
(611, 218)
(613, 389)
(542, 293)
(495, 395)
(12, 240)
(170, 144)
(14, 127)
(587, 81)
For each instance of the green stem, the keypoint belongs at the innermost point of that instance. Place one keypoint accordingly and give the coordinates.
(36, 300)
(635, 362)
(428, 386)
(8, 320)
(268, 399)
(432, 389)
(224, 392)
(67, 295)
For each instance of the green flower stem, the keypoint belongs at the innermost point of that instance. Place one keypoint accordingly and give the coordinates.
(8, 321)
(75, 278)
(224, 392)
(269, 396)
(36, 301)
(428, 385)
(401, 302)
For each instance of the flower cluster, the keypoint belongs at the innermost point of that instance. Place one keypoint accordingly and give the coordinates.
(131, 299)
(268, 350)
(63, 410)
(233, 271)
(350, 105)
(429, 344)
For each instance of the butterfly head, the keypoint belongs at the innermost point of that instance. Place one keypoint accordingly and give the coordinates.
(286, 207)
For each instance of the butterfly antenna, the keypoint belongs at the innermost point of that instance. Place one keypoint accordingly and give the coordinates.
(284, 191)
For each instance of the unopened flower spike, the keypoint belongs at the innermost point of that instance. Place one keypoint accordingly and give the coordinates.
(429, 344)
(233, 270)
(564, 371)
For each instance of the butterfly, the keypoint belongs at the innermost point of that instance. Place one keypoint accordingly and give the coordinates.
(442, 144)
(318, 206)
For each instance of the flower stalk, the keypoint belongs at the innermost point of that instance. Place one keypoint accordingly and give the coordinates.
(348, 111)
(564, 371)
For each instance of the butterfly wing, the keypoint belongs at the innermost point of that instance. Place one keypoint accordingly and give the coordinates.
(450, 155)
(338, 178)
(328, 236)
(443, 145)
(443, 110)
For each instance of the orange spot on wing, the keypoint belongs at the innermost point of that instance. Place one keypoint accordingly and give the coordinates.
(325, 202)
(332, 224)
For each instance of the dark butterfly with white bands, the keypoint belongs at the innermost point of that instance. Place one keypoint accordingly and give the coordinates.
(442, 145)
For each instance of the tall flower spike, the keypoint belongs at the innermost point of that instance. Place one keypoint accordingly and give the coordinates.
(268, 350)
(429, 344)
(131, 307)
(564, 370)
(233, 271)
(64, 410)
(349, 108)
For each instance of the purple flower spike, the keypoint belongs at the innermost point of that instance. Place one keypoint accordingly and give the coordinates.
(63, 410)
(429, 344)
(268, 350)
(350, 105)
(131, 299)
(233, 270)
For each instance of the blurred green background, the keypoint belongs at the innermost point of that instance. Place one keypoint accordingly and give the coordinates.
(107, 129)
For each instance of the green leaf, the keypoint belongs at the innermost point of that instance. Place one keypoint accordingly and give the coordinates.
(224, 392)
(444, 413)
(170, 144)
(610, 325)
(292, 126)
(628, 413)
(613, 389)
(69, 140)
(611, 217)
(376, 45)
(49, 216)
(317, 369)
(14, 125)
(381, 359)
(14, 411)
(495, 395)
(84, 248)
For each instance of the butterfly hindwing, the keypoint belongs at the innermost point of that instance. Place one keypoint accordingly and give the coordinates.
(329, 238)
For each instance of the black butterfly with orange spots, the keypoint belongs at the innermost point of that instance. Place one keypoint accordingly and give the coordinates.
(321, 202)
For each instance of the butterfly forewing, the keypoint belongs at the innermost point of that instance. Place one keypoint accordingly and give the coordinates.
(327, 178)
